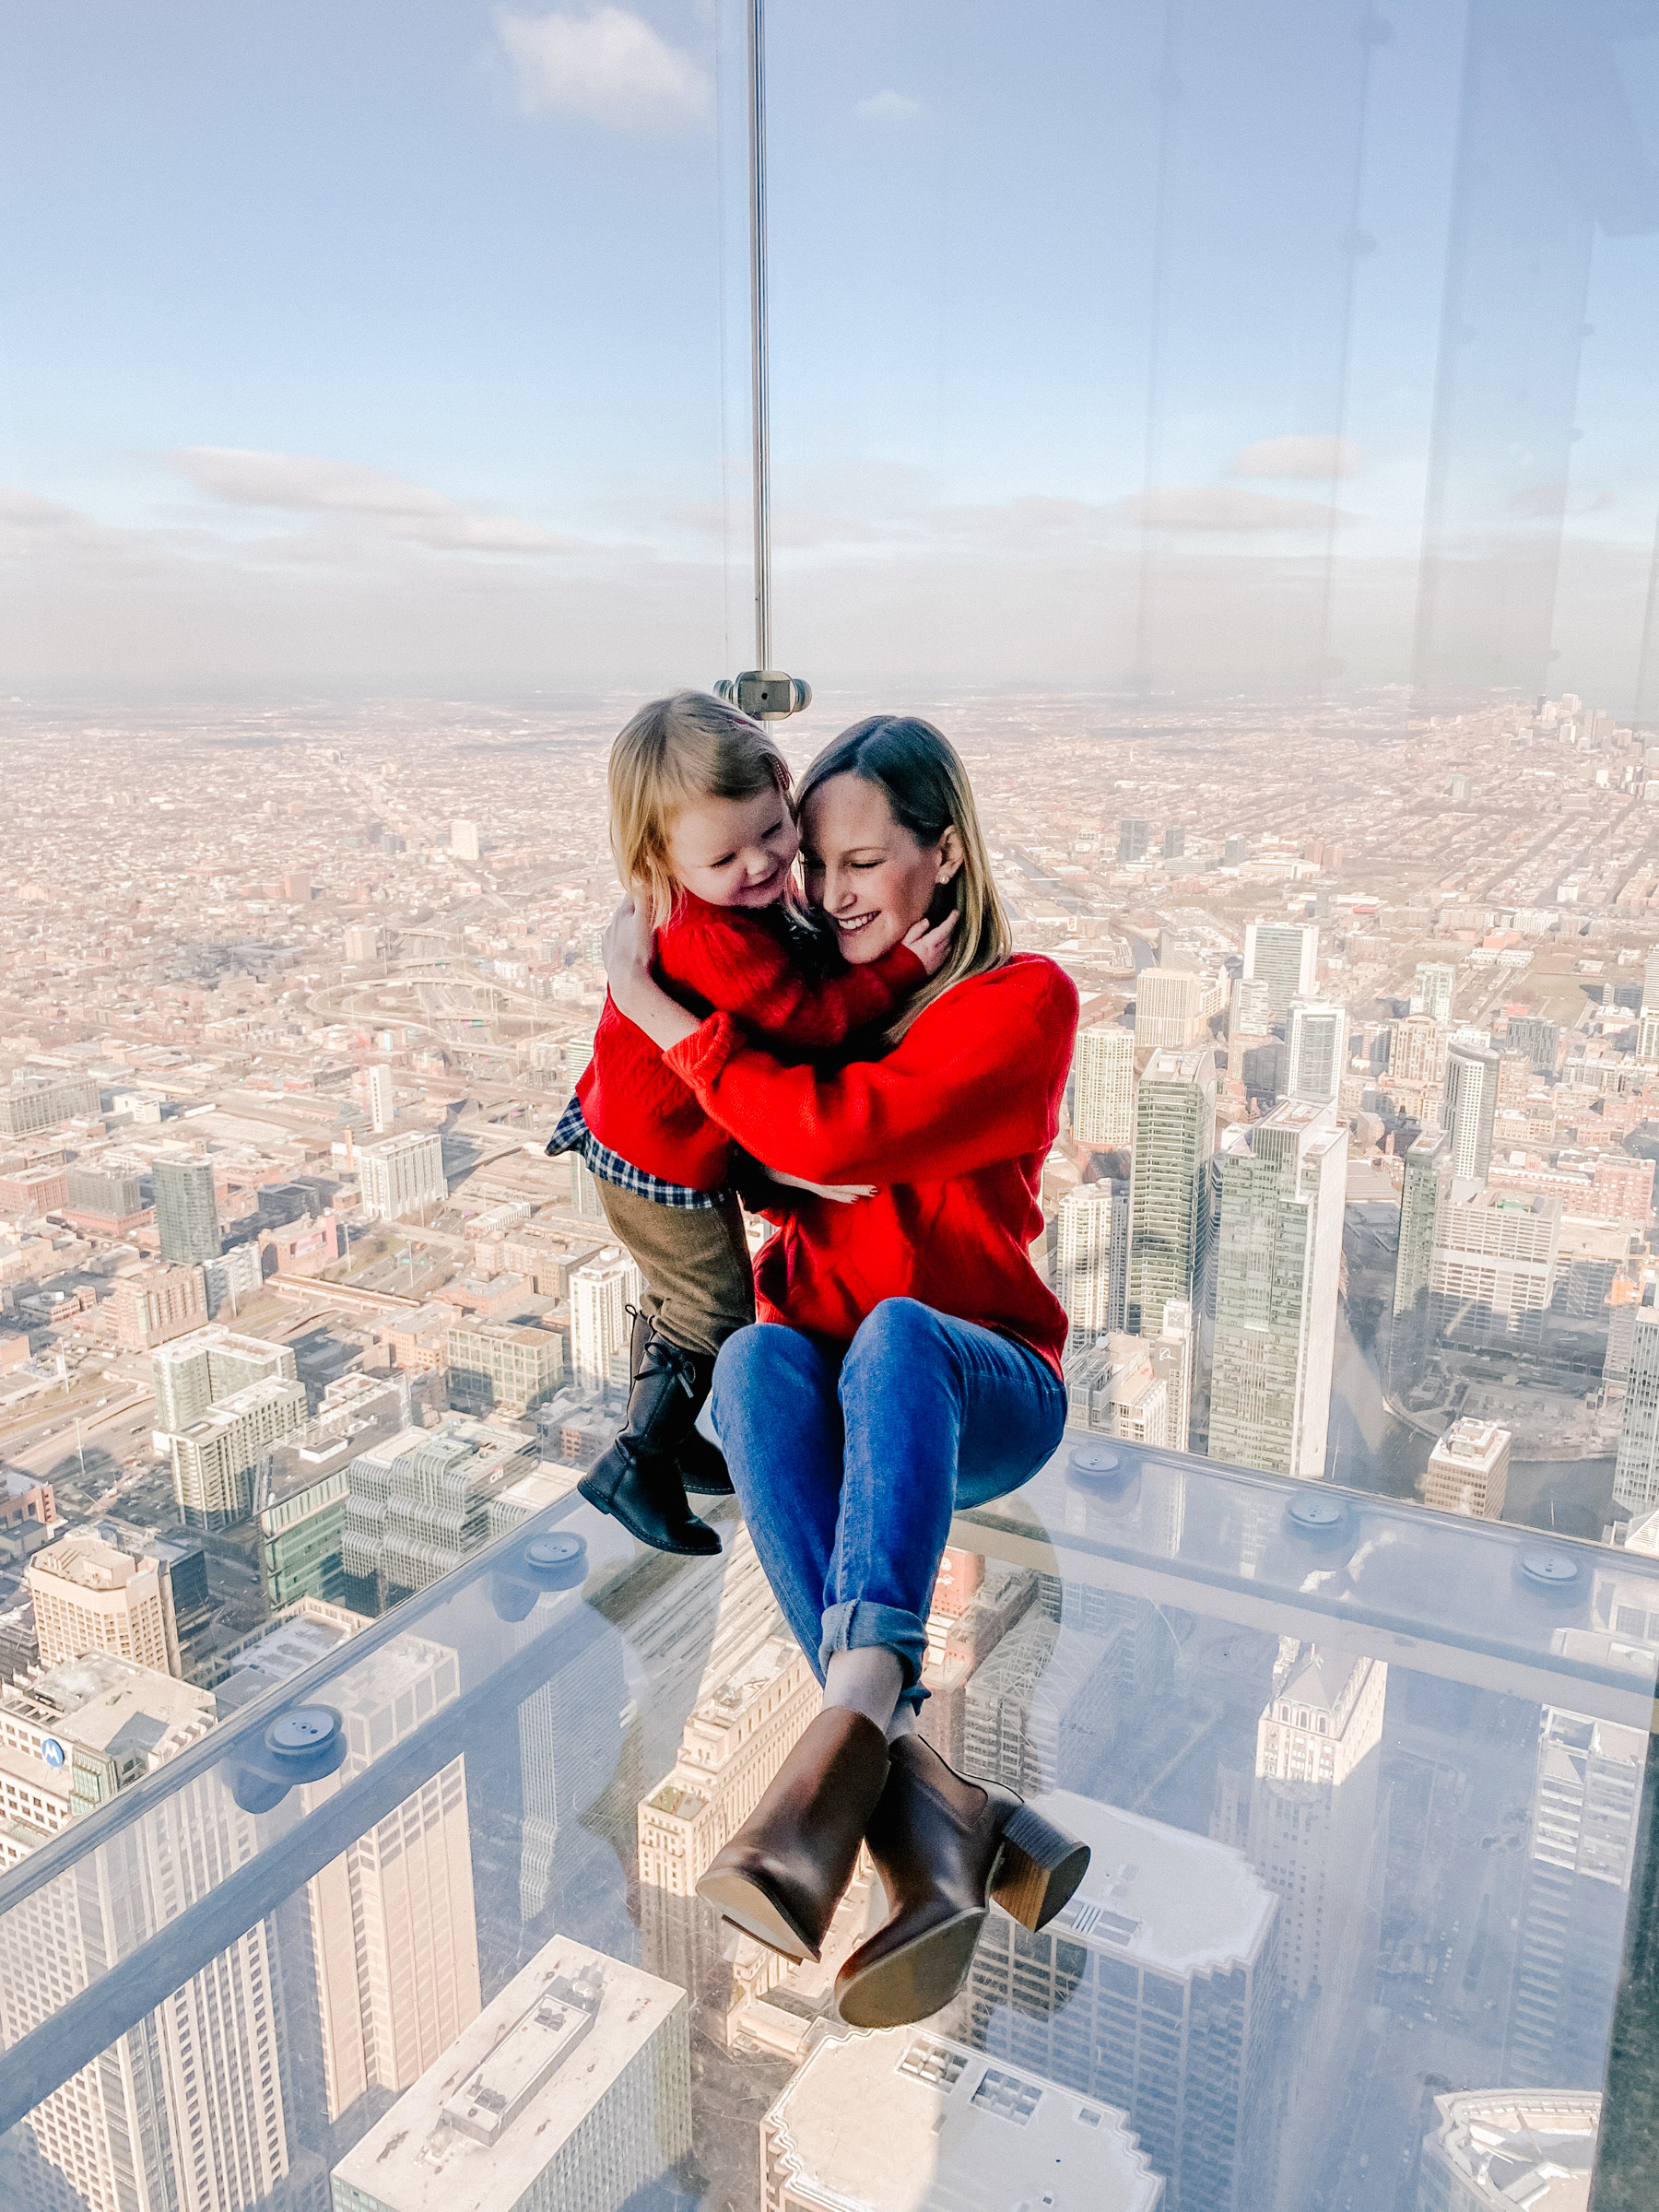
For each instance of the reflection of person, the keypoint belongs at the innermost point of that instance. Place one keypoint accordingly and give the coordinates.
(702, 832)
(910, 1363)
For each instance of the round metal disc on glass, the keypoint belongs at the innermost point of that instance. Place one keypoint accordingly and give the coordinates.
(1317, 1516)
(1095, 1462)
(1549, 1569)
(306, 1728)
(553, 1551)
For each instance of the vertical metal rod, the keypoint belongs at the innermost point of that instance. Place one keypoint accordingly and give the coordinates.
(761, 399)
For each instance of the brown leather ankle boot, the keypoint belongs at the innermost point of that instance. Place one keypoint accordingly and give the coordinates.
(783, 1873)
(942, 1845)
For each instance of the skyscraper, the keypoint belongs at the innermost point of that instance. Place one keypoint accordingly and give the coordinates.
(1318, 1050)
(1471, 1103)
(601, 1293)
(403, 1176)
(1167, 1003)
(214, 1459)
(573, 2089)
(1427, 1173)
(1277, 1262)
(1492, 1271)
(1284, 956)
(1416, 1051)
(1137, 1387)
(1251, 1011)
(1174, 842)
(1131, 838)
(1431, 989)
(1636, 1472)
(1103, 1087)
(1093, 1259)
(383, 1097)
(418, 1503)
(194, 1372)
(186, 1211)
(1539, 1040)
(463, 839)
(1586, 1802)
(1174, 1135)
(1468, 1470)
(1153, 1990)
(1493, 2149)
(91, 1596)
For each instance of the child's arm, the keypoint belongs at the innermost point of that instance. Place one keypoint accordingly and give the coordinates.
(738, 967)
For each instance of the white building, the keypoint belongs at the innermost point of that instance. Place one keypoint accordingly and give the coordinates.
(1103, 1087)
(1433, 983)
(907, 2120)
(402, 1176)
(1137, 1387)
(1493, 2150)
(463, 839)
(1168, 1009)
(90, 1596)
(194, 1372)
(214, 1459)
(1284, 1182)
(1093, 1259)
(1168, 1227)
(571, 2089)
(1471, 1105)
(1468, 1470)
(383, 1097)
(1636, 1475)
(601, 1293)
(1318, 1057)
(1284, 956)
(1492, 1266)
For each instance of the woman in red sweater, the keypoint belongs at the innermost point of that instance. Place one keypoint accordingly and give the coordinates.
(907, 1362)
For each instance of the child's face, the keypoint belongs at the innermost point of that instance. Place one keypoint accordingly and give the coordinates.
(734, 852)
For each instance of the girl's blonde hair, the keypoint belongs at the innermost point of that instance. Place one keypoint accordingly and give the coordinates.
(918, 771)
(674, 752)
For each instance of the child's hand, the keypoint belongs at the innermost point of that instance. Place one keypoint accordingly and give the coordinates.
(931, 941)
(626, 949)
(842, 1194)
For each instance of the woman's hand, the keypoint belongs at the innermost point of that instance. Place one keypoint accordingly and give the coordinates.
(930, 941)
(841, 1194)
(626, 949)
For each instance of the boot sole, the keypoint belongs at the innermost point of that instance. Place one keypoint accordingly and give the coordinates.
(589, 1489)
(1037, 1870)
(915, 1981)
(742, 1901)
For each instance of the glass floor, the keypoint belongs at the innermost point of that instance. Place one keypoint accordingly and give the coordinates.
(416, 1931)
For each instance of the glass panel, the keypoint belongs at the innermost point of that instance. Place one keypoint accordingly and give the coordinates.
(445, 1950)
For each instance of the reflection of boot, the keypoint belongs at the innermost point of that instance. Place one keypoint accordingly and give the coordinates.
(940, 1844)
(638, 1478)
(784, 1872)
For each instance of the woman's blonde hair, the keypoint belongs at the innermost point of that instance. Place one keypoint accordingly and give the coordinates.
(920, 775)
(674, 752)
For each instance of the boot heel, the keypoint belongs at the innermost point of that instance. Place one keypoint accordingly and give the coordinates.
(1036, 1869)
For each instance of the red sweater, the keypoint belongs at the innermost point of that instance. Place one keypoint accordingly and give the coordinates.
(955, 1124)
(730, 959)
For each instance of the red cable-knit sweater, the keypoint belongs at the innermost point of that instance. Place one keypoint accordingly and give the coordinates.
(736, 960)
(954, 1124)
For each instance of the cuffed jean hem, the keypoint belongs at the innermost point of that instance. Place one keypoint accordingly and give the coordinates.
(859, 1624)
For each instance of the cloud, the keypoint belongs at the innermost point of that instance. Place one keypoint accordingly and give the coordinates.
(610, 67)
(387, 506)
(1323, 454)
(1217, 506)
(888, 107)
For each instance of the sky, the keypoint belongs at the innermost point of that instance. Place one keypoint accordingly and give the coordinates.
(1157, 346)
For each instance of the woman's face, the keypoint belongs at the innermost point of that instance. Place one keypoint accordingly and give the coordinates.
(866, 870)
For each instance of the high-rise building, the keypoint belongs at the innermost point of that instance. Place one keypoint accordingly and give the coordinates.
(108, 1200)
(1249, 1013)
(1428, 1171)
(907, 2120)
(1586, 1803)
(153, 1304)
(74, 1733)
(1318, 1050)
(418, 1503)
(1468, 1470)
(1174, 842)
(1492, 2150)
(193, 1373)
(1650, 985)
(1416, 1051)
(90, 1595)
(1103, 1087)
(186, 1211)
(1235, 851)
(31, 1104)
(1284, 956)
(1153, 1990)
(573, 2089)
(1137, 1387)
(1471, 1104)
(383, 1097)
(402, 1177)
(393, 1920)
(362, 943)
(234, 1277)
(1537, 1040)
(495, 1367)
(601, 1294)
(463, 839)
(1169, 1225)
(1636, 1471)
(1131, 838)
(1092, 1259)
(1168, 1009)
(1277, 1265)
(214, 1459)
(1431, 987)
(1047, 1705)
(1492, 1271)
(1647, 1037)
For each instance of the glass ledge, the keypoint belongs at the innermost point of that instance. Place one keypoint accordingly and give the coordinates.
(1365, 1787)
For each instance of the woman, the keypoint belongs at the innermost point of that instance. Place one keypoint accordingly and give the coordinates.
(907, 1362)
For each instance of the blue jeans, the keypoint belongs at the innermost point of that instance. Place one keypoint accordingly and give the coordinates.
(849, 1465)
